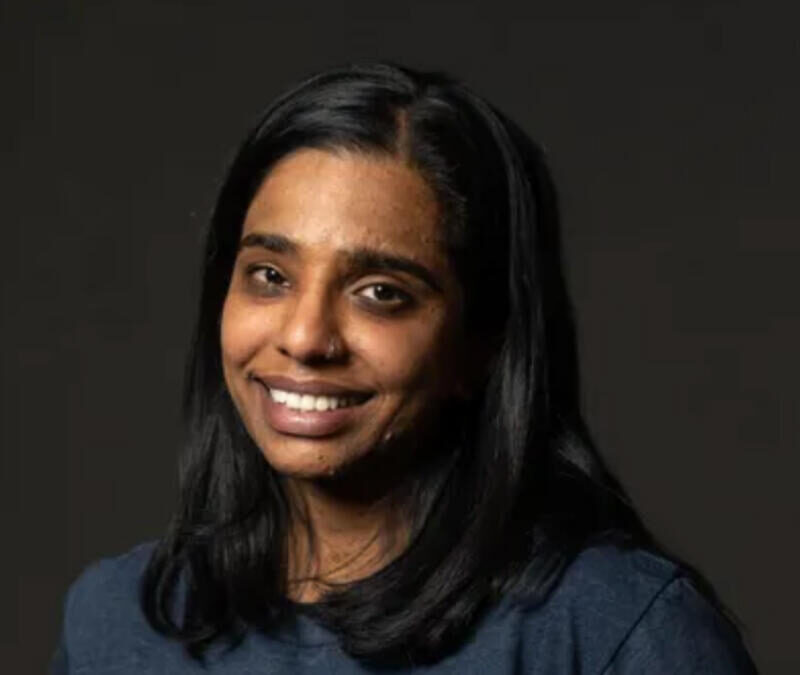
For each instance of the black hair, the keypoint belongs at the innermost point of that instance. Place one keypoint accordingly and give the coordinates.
(474, 538)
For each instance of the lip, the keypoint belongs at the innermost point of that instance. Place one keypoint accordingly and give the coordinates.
(313, 387)
(307, 423)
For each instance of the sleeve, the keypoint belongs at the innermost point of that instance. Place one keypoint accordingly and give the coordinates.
(681, 633)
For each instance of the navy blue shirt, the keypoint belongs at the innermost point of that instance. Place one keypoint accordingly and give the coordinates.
(613, 612)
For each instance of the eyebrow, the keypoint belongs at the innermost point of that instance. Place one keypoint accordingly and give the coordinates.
(362, 259)
(272, 242)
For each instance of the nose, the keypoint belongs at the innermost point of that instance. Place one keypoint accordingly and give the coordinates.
(310, 332)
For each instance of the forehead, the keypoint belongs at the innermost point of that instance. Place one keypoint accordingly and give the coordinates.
(347, 200)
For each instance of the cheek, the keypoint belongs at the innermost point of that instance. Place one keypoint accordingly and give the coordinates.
(243, 331)
(407, 359)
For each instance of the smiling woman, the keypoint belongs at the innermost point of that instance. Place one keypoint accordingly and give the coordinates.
(386, 464)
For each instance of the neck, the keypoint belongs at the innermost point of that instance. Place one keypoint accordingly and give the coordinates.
(335, 539)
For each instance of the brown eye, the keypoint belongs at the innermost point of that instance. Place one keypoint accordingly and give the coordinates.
(266, 275)
(385, 294)
(265, 280)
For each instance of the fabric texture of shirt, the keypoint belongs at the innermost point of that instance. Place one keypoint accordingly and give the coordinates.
(613, 612)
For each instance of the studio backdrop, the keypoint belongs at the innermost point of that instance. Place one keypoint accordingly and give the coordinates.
(672, 131)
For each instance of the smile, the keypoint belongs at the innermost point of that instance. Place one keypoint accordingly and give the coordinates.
(310, 408)
(308, 402)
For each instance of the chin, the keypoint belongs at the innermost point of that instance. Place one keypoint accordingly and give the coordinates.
(308, 459)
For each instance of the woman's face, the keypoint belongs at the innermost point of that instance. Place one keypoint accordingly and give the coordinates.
(341, 328)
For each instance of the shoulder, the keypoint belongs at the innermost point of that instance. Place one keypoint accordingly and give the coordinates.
(109, 584)
(101, 610)
(127, 565)
(681, 632)
(612, 584)
(615, 606)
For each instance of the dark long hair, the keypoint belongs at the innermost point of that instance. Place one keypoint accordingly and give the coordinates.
(518, 487)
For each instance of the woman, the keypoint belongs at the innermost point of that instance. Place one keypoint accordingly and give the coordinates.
(386, 465)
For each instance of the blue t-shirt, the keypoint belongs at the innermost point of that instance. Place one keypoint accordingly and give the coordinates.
(614, 612)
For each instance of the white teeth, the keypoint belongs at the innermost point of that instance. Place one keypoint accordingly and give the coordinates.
(307, 402)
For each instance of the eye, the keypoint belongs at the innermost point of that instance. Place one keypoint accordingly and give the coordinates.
(265, 275)
(385, 295)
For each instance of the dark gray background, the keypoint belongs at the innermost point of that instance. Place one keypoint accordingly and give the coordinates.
(673, 133)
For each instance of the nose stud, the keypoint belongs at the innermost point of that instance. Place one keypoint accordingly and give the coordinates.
(334, 348)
